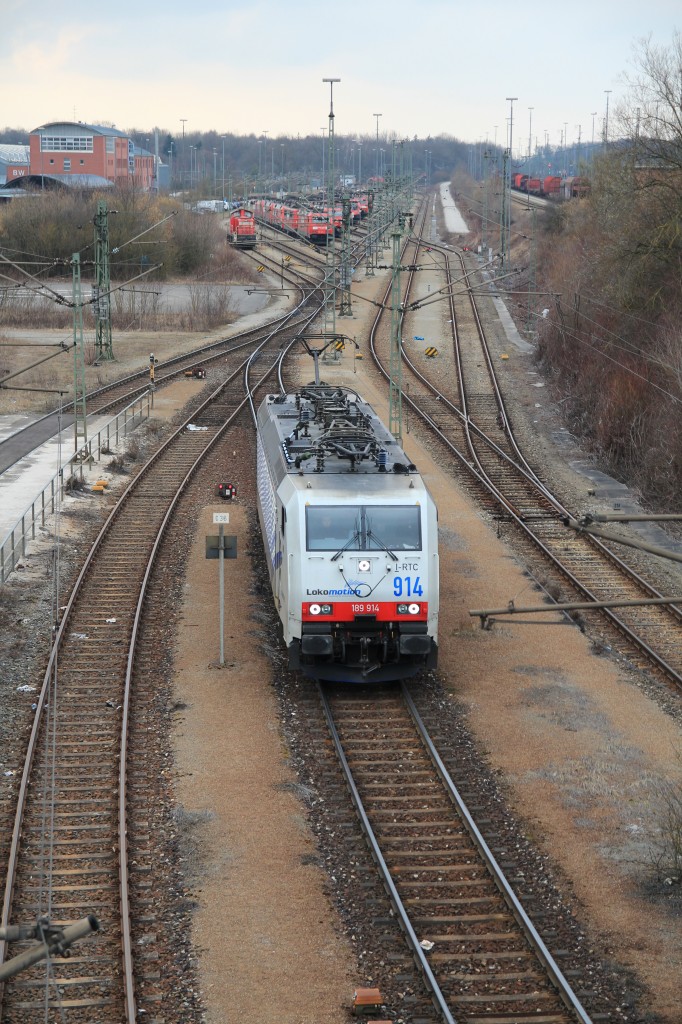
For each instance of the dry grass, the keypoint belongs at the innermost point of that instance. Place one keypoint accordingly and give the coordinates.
(190, 329)
(131, 353)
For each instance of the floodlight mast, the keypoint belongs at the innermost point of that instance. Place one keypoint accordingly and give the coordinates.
(377, 150)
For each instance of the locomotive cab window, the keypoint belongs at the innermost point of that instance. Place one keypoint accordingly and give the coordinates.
(331, 527)
(363, 528)
(392, 526)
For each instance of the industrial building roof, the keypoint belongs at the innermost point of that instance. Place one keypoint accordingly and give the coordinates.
(13, 153)
(67, 180)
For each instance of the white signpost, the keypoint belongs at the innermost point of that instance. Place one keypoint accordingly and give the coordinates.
(217, 547)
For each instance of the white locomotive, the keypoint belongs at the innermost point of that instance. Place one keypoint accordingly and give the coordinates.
(351, 538)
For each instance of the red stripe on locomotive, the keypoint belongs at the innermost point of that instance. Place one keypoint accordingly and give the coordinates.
(346, 611)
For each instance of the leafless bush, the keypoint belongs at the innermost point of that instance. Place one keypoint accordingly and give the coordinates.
(27, 309)
(137, 308)
(75, 483)
(133, 450)
(117, 465)
(209, 304)
(666, 850)
(155, 427)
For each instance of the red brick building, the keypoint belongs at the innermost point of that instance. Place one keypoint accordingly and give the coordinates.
(95, 153)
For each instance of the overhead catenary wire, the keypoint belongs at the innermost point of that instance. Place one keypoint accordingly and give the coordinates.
(603, 305)
(618, 342)
(626, 345)
(570, 333)
(617, 309)
(41, 287)
(50, 712)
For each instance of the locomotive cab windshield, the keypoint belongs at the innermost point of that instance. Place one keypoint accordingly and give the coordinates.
(363, 528)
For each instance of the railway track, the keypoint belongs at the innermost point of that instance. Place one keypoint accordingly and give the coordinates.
(82, 840)
(478, 953)
(470, 418)
(479, 963)
(124, 390)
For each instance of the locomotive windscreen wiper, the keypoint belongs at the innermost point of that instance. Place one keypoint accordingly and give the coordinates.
(348, 544)
(371, 535)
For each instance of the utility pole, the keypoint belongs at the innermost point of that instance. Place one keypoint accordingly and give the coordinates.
(369, 240)
(606, 119)
(532, 272)
(484, 232)
(324, 180)
(183, 121)
(395, 366)
(330, 268)
(80, 422)
(505, 201)
(530, 137)
(506, 188)
(346, 304)
(102, 288)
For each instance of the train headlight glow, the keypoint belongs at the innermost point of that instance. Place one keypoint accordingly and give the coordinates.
(409, 609)
(364, 565)
(321, 609)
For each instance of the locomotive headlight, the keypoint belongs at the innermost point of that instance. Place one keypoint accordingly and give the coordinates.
(409, 609)
(321, 609)
(364, 565)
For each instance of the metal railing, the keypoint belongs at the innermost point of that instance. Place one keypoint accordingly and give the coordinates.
(13, 547)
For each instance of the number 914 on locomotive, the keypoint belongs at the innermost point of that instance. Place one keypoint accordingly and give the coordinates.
(351, 538)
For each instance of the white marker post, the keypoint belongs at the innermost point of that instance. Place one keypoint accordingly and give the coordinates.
(221, 518)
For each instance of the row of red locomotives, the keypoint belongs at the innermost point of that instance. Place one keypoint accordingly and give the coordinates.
(314, 226)
(553, 186)
(358, 208)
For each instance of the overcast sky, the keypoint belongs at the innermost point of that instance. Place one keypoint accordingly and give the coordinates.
(254, 65)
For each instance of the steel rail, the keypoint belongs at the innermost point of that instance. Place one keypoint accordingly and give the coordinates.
(127, 941)
(511, 899)
(377, 856)
(481, 477)
(593, 542)
(51, 667)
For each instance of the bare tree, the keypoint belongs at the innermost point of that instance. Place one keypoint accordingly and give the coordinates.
(651, 117)
(618, 259)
